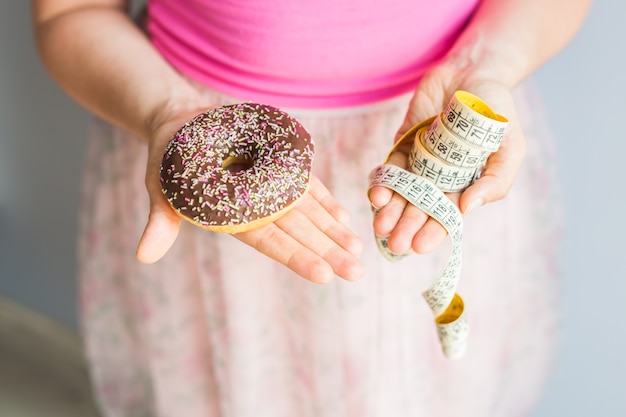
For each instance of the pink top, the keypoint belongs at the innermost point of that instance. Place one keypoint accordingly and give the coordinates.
(306, 54)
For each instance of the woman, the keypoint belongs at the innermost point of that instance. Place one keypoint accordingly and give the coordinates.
(207, 326)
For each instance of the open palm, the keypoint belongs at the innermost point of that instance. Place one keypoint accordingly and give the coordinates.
(407, 226)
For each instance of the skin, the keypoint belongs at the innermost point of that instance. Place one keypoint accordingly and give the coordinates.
(125, 81)
(503, 44)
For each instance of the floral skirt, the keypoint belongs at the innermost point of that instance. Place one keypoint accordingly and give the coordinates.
(217, 329)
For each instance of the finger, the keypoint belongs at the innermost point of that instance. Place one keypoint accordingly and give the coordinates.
(159, 234)
(320, 193)
(499, 174)
(380, 196)
(429, 237)
(432, 234)
(329, 226)
(412, 220)
(163, 223)
(300, 227)
(278, 245)
(389, 216)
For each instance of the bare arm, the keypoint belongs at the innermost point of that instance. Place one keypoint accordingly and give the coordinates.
(505, 41)
(98, 55)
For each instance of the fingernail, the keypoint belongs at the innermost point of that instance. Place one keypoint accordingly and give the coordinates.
(473, 205)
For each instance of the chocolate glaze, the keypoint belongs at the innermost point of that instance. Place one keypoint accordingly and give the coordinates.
(272, 154)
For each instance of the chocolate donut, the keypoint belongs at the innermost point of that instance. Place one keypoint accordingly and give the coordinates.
(237, 167)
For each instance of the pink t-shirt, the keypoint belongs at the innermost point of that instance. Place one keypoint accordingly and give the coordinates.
(306, 54)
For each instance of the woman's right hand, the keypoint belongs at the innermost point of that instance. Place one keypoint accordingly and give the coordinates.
(312, 239)
(123, 80)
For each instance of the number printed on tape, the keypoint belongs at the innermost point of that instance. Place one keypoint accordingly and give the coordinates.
(448, 154)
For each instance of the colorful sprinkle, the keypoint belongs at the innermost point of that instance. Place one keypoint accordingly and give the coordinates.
(275, 151)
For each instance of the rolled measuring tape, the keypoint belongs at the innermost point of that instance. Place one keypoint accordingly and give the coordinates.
(471, 119)
(450, 149)
(446, 176)
(447, 155)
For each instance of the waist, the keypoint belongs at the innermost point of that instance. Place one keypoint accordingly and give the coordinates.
(323, 54)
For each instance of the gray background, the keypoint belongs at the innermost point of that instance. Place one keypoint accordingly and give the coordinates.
(41, 142)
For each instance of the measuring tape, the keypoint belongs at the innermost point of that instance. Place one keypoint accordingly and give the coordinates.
(448, 154)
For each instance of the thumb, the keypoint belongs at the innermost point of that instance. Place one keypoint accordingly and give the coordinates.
(160, 233)
(494, 184)
(497, 179)
(486, 190)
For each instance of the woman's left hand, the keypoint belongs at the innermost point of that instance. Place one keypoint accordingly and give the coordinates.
(407, 226)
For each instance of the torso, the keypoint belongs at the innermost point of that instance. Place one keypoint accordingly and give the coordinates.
(325, 53)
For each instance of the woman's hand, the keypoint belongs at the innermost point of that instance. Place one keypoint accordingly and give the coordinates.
(489, 57)
(407, 226)
(311, 239)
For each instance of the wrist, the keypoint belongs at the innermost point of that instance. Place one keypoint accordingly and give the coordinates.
(477, 57)
(181, 104)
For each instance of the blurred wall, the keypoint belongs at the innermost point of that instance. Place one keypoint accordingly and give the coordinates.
(41, 143)
(584, 88)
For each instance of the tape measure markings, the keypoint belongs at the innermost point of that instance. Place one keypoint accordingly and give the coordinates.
(450, 148)
(471, 129)
(446, 177)
(476, 123)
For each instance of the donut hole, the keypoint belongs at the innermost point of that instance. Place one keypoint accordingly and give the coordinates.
(236, 163)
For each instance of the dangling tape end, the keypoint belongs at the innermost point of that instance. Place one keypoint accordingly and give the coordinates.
(453, 329)
(454, 352)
